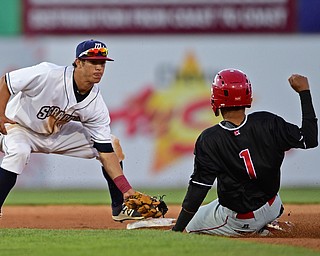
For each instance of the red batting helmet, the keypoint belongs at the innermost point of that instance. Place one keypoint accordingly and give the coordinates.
(230, 88)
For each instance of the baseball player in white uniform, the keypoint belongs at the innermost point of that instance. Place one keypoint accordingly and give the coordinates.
(60, 110)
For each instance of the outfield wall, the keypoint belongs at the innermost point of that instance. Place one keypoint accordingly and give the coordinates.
(158, 90)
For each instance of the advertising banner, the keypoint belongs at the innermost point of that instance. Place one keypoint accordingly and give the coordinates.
(158, 17)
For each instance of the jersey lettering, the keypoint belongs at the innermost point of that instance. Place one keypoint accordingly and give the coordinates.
(54, 111)
(245, 155)
(43, 112)
(57, 113)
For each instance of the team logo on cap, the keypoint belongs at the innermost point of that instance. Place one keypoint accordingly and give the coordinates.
(98, 45)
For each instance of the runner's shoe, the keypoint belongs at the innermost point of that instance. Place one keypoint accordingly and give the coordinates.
(277, 227)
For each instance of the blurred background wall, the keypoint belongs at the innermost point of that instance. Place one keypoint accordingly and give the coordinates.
(158, 88)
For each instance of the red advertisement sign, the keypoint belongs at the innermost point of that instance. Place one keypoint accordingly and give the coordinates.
(158, 17)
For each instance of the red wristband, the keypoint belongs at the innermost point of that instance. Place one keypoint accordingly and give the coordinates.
(122, 183)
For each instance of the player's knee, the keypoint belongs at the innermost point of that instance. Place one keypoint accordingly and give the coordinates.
(21, 152)
(16, 158)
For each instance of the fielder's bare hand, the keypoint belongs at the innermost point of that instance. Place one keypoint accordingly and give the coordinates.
(3, 120)
(298, 82)
(130, 192)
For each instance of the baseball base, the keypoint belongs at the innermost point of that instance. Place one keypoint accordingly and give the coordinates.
(151, 223)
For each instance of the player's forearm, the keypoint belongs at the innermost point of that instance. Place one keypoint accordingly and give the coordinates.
(309, 120)
(183, 220)
(191, 203)
(112, 166)
(306, 104)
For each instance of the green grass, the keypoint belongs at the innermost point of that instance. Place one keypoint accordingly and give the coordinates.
(173, 196)
(300, 195)
(131, 242)
(85, 196)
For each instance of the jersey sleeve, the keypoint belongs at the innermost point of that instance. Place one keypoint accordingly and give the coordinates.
(98, 125)
(204, 173)
(28, 79)
(288, 135)
(103, 147)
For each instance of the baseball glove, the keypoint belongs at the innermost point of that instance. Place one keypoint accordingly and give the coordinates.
(147, 206)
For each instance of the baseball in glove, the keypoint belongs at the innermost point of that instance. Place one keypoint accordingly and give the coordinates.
(147, 206)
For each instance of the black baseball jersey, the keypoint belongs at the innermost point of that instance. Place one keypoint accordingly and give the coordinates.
(246, 160)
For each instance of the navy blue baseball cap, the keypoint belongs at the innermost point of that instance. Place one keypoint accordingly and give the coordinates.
(92, 50)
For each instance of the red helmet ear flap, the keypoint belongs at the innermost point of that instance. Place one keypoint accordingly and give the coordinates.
(215, 109)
